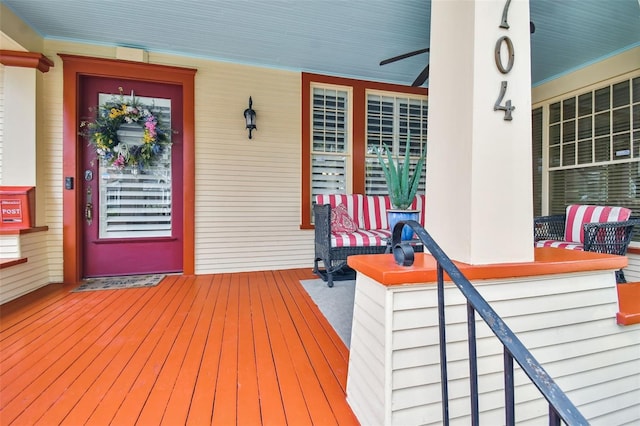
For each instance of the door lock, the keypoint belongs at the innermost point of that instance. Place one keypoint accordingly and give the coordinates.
(88, 209)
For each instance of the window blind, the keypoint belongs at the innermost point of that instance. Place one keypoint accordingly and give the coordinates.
(329, 174)
(330, 108)
(536, 139)
(390, 119)
(330, 147)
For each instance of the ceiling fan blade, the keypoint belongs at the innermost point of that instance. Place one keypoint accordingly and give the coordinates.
(404, 56)
(424, 75)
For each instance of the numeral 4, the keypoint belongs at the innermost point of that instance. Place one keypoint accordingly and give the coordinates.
(507, 107)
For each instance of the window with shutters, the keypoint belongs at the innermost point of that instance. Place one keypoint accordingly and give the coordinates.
(594, 147)
(330, 151)
(137, 203)
(342, 120)
(390, 120)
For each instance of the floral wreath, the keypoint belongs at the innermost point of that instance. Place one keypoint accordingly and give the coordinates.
(103, 133)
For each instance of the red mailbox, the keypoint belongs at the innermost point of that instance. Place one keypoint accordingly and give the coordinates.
(17, 207)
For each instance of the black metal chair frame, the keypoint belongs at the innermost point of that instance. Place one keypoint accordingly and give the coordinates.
(599, 237)
(333, 258)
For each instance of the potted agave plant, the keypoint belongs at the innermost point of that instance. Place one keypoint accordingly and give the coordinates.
(402, 186)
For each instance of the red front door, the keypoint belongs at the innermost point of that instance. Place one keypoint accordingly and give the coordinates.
(132, 217)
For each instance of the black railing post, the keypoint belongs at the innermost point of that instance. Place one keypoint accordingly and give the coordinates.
(554, 418)
(444, 381)
(473, 365)
(509, 398)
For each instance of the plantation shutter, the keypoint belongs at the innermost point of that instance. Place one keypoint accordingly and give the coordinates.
(329, 174)
(330, 141)
(389, 120)
(137, 203)
(537, 130)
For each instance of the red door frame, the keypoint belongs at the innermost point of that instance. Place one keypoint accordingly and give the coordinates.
(75, 66)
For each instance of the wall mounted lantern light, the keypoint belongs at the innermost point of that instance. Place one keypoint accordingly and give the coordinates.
(250, 117)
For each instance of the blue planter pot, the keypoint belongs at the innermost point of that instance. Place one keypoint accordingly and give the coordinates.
(394, 216)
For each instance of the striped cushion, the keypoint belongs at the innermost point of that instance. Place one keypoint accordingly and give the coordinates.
(360, 238)
(369, 212)
(376, 206)
(559, 244)
(353, 203)
(578, 215)
(375, 211)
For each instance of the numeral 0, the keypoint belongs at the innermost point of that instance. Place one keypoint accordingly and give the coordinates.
(498, 56)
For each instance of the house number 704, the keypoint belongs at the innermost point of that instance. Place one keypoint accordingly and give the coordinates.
(504, 40)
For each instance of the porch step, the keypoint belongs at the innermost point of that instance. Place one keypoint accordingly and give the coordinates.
(628, 303)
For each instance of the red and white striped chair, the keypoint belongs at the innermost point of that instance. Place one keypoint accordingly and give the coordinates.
(602, 229)
(371, 229)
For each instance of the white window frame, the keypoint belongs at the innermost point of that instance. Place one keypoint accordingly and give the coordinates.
(371, 157)
(348, 154)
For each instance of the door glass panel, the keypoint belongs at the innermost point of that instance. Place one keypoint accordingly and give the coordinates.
(136, 203)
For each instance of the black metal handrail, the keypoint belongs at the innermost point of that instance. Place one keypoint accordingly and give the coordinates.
(560, 407)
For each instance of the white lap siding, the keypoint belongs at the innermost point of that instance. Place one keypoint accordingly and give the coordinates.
(567, 322)
(632, 271)
(21, 279)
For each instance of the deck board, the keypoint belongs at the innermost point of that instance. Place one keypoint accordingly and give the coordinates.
(226, 389)
(175, 360)
(55, 362)
(159, 348)
(103, 385)
(317, 406)
(183, 390)
(321, 352)
(248, 393)
(86, 356)
(201, 408)
(295, 409)
(272, 405)
(246, 348)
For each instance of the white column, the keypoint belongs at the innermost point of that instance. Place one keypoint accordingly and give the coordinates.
(479, 182)
(19, 127)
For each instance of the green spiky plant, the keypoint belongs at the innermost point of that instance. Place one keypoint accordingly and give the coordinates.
(402, 185)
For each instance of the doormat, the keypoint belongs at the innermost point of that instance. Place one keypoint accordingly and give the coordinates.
(116, 283)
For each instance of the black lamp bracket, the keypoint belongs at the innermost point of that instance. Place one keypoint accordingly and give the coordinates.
(250, 117)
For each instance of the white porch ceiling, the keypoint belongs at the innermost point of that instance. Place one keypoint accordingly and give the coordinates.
(335, 37)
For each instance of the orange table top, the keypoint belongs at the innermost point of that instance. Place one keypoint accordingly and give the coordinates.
(548, 260)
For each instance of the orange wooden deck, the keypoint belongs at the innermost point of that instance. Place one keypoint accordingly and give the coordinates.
(245, 349)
